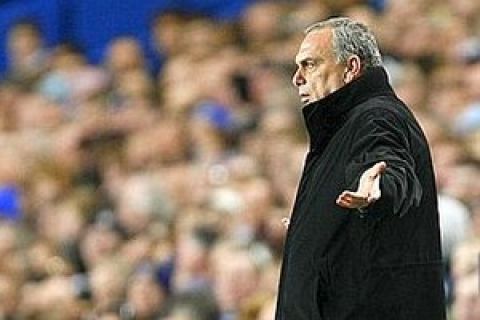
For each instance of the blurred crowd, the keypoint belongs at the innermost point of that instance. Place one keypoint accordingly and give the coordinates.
(126, 194)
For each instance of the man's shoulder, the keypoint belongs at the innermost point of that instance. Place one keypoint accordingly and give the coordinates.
(382, 106)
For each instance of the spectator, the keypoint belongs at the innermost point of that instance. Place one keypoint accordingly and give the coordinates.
(116, 182)
(26, 52)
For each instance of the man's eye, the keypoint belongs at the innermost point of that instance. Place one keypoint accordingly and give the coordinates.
(309, 64)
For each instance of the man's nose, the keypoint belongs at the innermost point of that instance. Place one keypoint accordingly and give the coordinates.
(298, 79)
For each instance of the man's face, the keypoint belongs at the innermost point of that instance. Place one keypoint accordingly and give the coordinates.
(318, 73)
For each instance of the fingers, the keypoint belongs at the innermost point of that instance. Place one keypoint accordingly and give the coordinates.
(349, 199)
(379, 168)
(356, 200)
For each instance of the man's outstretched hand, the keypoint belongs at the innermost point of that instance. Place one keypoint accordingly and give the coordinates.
(368, 189)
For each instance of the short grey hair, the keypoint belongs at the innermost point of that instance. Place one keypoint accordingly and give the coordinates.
(351, 38)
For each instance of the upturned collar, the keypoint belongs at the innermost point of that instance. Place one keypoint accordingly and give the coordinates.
(323, 117)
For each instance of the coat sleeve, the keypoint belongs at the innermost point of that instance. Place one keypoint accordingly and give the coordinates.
(384, 137)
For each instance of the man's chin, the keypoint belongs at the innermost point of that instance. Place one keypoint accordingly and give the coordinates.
(306, 102)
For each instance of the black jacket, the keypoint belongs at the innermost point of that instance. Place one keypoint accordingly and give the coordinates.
(386, 263)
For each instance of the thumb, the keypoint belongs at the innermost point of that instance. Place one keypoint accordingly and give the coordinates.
(379, 167)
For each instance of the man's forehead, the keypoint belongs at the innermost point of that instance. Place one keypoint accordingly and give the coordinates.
(315, 43)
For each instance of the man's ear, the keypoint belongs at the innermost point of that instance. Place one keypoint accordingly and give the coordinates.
(353, 68)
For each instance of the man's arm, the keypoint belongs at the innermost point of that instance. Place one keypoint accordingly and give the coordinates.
(381, 167)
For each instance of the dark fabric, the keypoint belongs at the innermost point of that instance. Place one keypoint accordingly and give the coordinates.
(383, 264)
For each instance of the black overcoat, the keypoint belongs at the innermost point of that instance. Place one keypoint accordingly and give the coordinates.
(384, 263)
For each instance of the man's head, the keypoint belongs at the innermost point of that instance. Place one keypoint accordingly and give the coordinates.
(333, 53)
(24, 38)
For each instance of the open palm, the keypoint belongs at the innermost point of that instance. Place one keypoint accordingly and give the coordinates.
(368, 189)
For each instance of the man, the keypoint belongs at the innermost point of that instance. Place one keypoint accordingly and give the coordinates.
(26, 52)
(373, 253)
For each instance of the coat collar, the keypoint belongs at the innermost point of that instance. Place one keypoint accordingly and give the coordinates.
(325, 116)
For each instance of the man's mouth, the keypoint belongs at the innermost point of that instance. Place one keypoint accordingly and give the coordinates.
(304, 98)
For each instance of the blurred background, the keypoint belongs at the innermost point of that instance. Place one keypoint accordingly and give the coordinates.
(150, 149)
